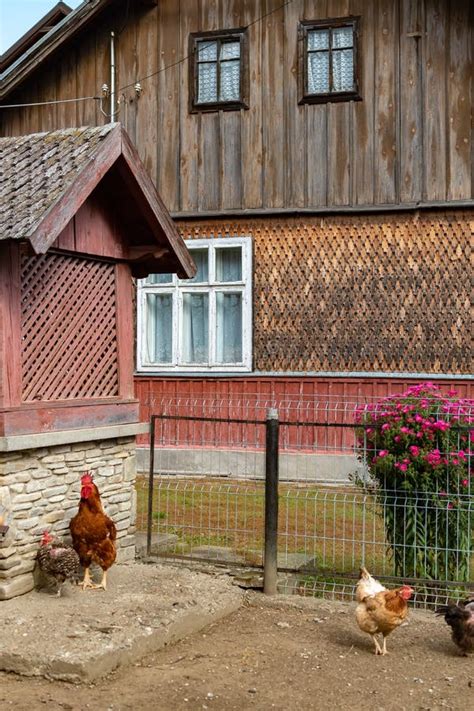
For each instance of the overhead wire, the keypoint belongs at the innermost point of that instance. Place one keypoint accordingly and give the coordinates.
(136, 81)
(46, 103)
(183, 59)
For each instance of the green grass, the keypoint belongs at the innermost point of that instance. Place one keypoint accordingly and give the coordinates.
(337, 529)
(332, 527)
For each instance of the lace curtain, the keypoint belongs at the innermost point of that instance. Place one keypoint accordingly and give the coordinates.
(227, 55)
(339, 43)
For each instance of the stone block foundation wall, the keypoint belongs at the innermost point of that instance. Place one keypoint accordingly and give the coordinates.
(40, 489)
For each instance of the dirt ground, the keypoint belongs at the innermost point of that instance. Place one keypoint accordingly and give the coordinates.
(282, 653)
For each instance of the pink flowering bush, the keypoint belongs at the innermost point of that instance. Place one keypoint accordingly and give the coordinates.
(417, 447)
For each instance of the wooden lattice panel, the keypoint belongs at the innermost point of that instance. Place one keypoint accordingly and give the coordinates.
(387, 293)
(69, 339)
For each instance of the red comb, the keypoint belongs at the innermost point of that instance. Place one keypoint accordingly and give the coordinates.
(86, 478)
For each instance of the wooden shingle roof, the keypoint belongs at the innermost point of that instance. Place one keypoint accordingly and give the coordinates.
(46, 177)
(36, 170)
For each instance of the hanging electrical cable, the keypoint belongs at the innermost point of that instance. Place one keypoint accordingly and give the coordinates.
(137, 82)
(47, 103)
(183, 59)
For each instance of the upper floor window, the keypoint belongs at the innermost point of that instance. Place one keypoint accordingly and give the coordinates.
(203, 323)
(328, 60)
(218, 62)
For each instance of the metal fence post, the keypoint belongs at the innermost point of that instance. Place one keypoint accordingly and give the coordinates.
(271, 503)
(150, 485)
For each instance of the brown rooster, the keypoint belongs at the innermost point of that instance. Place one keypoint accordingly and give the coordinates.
(380, 610)
(93, 533)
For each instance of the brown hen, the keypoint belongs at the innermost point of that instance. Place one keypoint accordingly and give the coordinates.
(380, 611)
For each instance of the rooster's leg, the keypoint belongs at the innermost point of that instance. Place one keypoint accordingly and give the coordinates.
(384, 648)
(103, 582)
(87, 582)
(378, 648)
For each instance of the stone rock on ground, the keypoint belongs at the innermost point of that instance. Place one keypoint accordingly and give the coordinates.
(82, 636)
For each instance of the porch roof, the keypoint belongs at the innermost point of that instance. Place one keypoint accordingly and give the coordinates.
(46, 177)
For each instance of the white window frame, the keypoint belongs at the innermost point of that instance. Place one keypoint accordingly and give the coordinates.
(180, 286)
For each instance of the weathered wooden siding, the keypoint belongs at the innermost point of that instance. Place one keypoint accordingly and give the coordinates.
(93, 230)
(408, 140)
(150, 389)
(387, 293)
(320, 400)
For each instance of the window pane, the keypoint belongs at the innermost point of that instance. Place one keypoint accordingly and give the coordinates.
(230, 50)
(229, 327)
(343, 70)
(229, 264)
(230, 81)
(159, 328)
(195, 328)
(342, 37)
(160, 279)
(201, 258)
(318, 73)
(207, 51)
(207, 83)
(318, 39)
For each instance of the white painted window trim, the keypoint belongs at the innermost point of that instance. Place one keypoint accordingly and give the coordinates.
(177, 288)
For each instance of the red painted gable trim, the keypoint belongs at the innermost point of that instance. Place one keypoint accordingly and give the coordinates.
(115, 145)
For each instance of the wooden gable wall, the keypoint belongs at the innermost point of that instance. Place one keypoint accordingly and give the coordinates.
(94, 230)
(407, 141)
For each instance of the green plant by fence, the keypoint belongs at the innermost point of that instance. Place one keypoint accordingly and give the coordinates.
(416, 447)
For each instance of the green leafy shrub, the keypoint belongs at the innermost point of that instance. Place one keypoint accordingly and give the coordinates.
(417, 449)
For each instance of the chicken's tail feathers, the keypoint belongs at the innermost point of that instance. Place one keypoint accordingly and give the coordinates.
(453, 614)
(454, 610)
(363, 573)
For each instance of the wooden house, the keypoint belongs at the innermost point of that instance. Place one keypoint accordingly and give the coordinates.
(79, 219)
(315, 156)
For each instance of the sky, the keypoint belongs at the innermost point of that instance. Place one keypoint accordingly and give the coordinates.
(17, 16)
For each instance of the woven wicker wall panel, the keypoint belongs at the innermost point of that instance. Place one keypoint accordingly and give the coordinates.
(69, 340)
(359, 293)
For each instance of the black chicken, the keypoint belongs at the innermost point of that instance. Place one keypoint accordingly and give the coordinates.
(460, 617)
(58, 560)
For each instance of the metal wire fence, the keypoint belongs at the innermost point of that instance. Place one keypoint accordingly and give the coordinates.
(204, 499)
